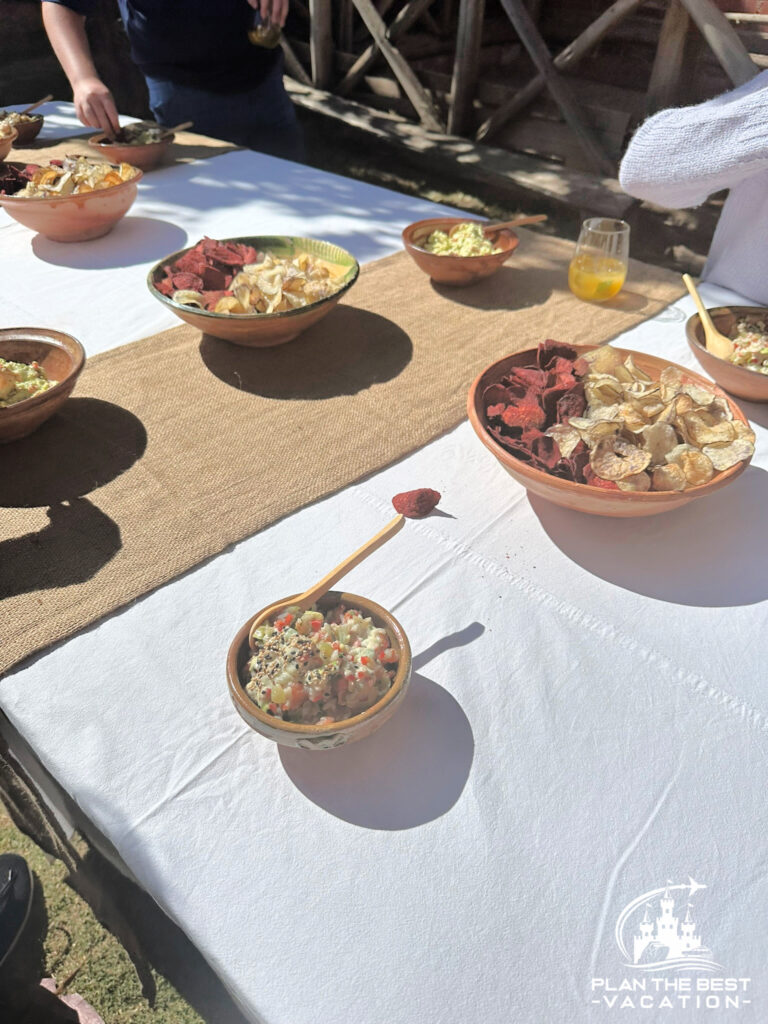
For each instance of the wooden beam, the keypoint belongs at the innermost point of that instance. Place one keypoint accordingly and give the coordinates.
(722, 40)
(566, 59)
(321, 42)
(413, 89)
(409, 14)
(667, 68)
(293, 65)
(465, 65)
(539, 54)
(515, 175)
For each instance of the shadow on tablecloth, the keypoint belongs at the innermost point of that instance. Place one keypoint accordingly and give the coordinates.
(705, 554)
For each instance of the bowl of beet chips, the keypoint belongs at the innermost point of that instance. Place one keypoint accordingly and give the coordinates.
(515, 401)
(208, 270)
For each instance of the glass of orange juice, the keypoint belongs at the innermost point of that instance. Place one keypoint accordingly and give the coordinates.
(599, 265)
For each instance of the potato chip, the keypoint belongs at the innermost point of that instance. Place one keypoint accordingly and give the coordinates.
(668, 478)
(697, 467)
(725, 456)
(660, 438)
(615, 459)
(603, 359)
(699, 428)
(566, 437)
(636, 482)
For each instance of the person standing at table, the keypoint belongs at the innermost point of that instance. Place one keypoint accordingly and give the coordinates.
(679, 157)
(199, 65)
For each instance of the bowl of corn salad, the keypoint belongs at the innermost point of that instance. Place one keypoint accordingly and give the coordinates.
(320, 678)
(461, 258)
(745, 374)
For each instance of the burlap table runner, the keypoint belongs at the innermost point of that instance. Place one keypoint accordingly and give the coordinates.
(176, 446)
(186, 146)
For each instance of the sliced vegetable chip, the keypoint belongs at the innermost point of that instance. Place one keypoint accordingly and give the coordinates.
(668, 478)
(725, 456)
(615, 459)
(697, 467)
(660, 438)
(636, 482)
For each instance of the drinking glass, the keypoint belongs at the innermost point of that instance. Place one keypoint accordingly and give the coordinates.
(599, 265)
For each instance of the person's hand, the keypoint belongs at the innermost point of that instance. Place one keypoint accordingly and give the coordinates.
(95, 106)
(275, 11)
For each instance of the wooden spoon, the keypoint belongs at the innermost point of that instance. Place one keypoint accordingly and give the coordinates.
(308, 598)
(181, 127)
(34, 106)
(492, 229)
(716, 343)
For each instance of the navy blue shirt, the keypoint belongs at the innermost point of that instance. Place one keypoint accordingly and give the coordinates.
(202, 43)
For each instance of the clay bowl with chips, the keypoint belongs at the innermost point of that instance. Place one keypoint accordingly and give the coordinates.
(458, 271)
(586, 497)
(146, 155)
(7, 142)
(74, 218)
(28, 130)
(262, 330)
(62, 358)
(332, 734)
(738, 380)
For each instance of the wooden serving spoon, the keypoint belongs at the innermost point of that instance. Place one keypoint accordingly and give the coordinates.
(716, 343)
(308, 598)
(34, 106)
(492, 229)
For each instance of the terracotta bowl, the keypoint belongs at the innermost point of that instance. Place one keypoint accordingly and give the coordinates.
(261, 330)
(61, 356)
(456, 270)
(7, 142)
(584, 497)
(145, 157)
(736, 379)
(29, 130)
(322, 737)
(75, 218)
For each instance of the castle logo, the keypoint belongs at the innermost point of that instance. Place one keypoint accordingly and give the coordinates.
(653, 937)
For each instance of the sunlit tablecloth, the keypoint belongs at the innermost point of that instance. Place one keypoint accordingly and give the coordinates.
(587, 721)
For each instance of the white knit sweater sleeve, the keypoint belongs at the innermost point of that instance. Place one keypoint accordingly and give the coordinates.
(679, 157)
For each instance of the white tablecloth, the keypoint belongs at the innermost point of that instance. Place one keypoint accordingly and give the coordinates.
(588, 718)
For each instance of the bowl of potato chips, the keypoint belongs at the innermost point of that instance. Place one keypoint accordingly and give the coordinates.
(256, 290)
(74, 199)
(608, 431)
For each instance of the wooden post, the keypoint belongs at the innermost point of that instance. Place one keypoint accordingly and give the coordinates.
(465, 65)
(321, 42)
(534, 44)
(293, 65)
(722, 39)
(409, 14)
(668, 62)
(568, 57)
(413, 89)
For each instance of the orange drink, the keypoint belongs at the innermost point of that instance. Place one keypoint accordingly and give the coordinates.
(596, 278)
(599, 266)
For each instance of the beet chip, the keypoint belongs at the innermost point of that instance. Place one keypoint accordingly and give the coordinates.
(187, 282)
(572, 404)
(549, 351)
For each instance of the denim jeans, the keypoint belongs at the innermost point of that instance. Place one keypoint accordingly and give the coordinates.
(261, 118)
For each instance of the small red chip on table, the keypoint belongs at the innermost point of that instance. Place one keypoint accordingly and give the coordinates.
(416, 504)
(600, 420)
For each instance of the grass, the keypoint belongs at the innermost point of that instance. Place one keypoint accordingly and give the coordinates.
(63, 938)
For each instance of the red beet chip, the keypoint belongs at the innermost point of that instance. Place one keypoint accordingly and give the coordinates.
(210, 298)
(494, 394)
(572, 404)
(165, 287)
(524, 414)
(247, 253)
(530, 376)
(214, 279)
(580, 367)
(187, 282)
(494, 412)
(545, 449)
(550, 350)
(416, 504)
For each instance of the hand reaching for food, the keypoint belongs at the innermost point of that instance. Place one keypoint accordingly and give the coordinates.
(274, 11)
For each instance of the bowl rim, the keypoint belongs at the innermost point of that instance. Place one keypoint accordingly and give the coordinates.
(34, 117)
(9, 138)
(178, 308)
(694, 319)
(508, 232)
(97, 142)
(46, 336)
(82, 196)
(239, 696)
(720, 479)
